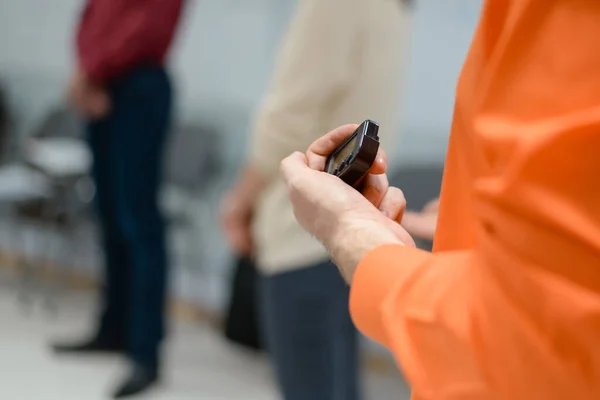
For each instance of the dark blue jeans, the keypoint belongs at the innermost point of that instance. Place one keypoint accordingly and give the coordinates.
(309, 334)
(127, 147)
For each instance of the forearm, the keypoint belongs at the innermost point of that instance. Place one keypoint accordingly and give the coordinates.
(251, 182)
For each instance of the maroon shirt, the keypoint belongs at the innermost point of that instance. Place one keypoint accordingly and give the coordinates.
(115, 36)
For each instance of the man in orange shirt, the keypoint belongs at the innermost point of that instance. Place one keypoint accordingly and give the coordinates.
(508, 305)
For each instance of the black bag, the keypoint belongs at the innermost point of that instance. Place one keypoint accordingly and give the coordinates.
(241, 323)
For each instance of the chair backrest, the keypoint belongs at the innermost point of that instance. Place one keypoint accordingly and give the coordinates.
(194, 156)
(420, 184)
(61, 121)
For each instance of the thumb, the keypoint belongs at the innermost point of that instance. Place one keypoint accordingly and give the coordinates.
(293, 164)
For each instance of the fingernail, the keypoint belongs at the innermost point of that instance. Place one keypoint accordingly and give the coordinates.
(385, 213)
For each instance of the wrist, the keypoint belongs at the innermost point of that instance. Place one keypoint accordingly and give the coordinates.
(353, 238)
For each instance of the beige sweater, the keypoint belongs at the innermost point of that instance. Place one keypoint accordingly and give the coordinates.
(341, 62)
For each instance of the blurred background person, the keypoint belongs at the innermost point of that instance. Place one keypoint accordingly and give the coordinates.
(340, 60)
(121, 86)
(422, 224)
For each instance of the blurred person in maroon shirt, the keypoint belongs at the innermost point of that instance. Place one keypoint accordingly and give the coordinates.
(121, 87)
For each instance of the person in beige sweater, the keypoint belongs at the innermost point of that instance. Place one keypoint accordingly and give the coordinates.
(341, 61)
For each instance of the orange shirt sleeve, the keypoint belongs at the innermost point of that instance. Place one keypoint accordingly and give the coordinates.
(418, 304)
(516, 315)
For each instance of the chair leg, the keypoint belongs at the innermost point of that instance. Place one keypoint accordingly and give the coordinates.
(26, 279)
(49, 257)
(188, 258)
(12, 254)
(56, 285)
(194, 249)
(65, 270)
(201, 265)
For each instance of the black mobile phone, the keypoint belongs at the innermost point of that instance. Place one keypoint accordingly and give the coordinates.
(351, 160)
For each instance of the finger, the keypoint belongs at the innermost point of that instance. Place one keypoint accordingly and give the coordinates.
(230, 235)
(226, 219)
(292, 165)
(375, 188)
(242, 244)
(321, 148)
(98, 103)
(239, 238)
(432, 206)
(393, 204)
(75, 98)
(420, 224)
(103, 104)
(380, 164)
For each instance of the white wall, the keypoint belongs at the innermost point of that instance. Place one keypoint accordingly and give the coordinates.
(35, 54)
(442, 31)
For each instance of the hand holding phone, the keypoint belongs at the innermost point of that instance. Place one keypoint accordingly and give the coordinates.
(352, 160)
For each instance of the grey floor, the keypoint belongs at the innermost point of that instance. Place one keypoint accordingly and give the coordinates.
(200, 365)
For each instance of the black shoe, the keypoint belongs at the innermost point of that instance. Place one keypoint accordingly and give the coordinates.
(140, 379)
(94, 346)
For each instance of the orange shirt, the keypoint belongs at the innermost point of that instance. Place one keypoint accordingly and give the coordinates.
(508, 305)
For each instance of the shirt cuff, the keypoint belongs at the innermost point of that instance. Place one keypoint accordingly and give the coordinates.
(378, 274)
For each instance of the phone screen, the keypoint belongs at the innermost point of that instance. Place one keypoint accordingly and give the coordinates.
(345, 152)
